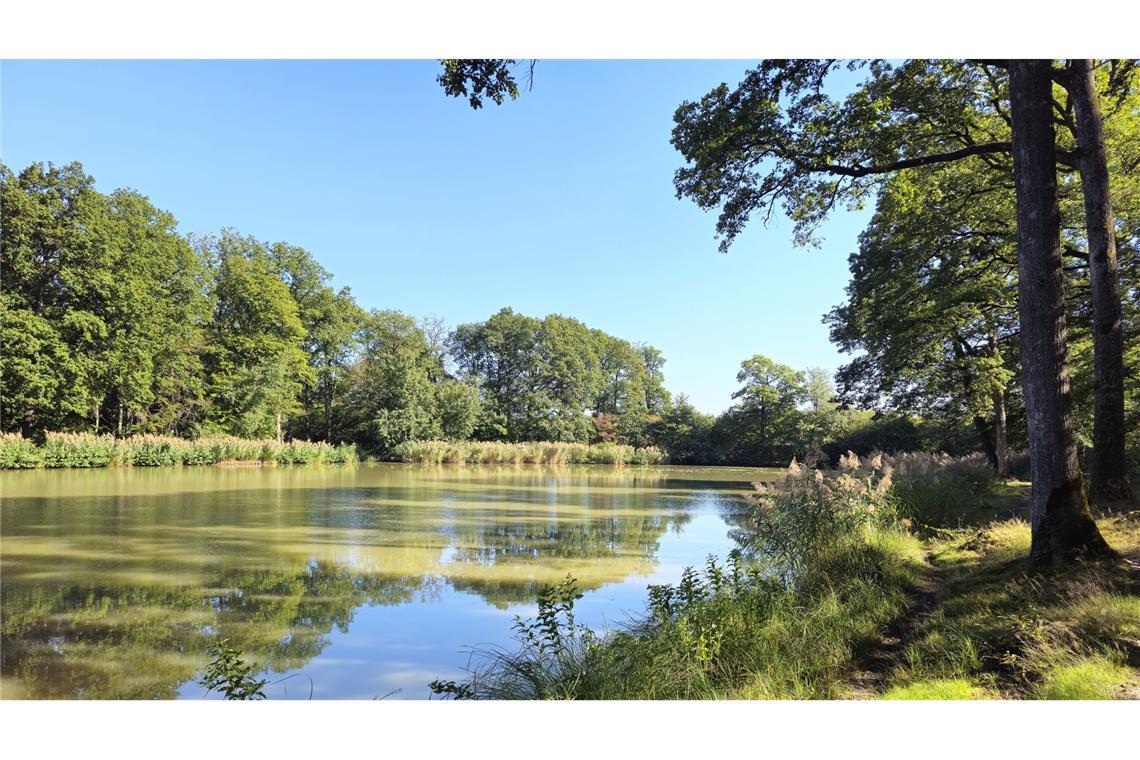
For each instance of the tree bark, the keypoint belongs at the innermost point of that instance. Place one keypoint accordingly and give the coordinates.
(1062, 527)
(987, 435)
(1109, 465)
(1001, 445)
(279, 437)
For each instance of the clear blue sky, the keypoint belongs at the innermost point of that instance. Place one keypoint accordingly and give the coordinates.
(559, 202)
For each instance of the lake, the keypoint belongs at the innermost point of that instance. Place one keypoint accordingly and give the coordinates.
(339, 582)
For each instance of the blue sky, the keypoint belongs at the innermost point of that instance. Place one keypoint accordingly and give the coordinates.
(559, 202)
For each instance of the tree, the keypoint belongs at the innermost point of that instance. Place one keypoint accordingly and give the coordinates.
(931, 303)
(51, 271)
(762, 426)
(111, 302)
(683, 432)
(622, 385)
(330, 319)
(256, 365)
(390, 394)
(656, 395)
(155, 309)
(1110, 473)
(779, 138)
(1061, 524)
(458, 408)
(537, 376)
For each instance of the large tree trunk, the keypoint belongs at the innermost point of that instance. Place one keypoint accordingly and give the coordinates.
(1109, 466)
(1062, 526)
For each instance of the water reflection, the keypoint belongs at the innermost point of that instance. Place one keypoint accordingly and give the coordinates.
(116, 581)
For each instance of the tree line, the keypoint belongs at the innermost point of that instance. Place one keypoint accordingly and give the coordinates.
(113, 322)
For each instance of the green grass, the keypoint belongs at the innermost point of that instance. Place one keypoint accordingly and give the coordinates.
(1091, 678)
(940, 689)
(1028, 634)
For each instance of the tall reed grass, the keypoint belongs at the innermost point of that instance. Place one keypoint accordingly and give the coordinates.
(89, 450)
(493, 452)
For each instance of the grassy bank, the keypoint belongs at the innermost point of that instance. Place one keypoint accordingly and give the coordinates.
(475, 452)
(89, 450)
(873, 581)
(1002, 630)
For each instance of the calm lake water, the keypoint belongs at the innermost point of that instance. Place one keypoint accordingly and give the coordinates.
(351, 582)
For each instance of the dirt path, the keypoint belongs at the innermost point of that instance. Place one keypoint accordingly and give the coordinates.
(874, 668)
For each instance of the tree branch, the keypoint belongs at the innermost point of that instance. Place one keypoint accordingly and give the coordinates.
(910, 163)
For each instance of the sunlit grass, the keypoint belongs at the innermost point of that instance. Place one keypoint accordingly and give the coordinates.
(1089, 678)
(939, 689)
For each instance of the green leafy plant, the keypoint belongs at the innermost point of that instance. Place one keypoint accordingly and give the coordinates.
(229, 674)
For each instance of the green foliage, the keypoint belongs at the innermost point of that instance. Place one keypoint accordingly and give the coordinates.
(390, 391)
(256, 364)
(556, 379)
(479, 78)
(227, 673)
(458, 407)
(682, 432)
(795, 523)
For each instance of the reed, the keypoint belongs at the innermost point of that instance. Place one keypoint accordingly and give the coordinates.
(550, 453)
(89, 450)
